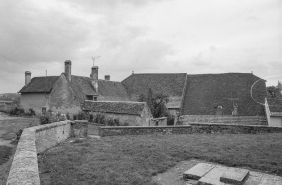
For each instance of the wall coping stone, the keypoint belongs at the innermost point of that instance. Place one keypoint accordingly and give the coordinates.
(237, 125)
(24, 169)
(144, 127)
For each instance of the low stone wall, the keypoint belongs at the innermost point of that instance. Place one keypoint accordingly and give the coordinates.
(233, 129)
(141, 130)
(189, 129)
(24, 169)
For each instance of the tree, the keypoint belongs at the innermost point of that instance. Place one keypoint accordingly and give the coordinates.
(274, 91)
(156, 103)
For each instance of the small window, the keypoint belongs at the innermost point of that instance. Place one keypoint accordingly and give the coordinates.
(95, 98)
(44, 110)
(89, 97)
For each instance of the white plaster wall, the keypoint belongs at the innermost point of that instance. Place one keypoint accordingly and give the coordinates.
(275, 121)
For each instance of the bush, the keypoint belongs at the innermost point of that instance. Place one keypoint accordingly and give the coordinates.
(30, 112)
(110, 122)
(91, 118)
(81, 116)
(16, 111)
(45, 119)
(68, 116)
(100, 119)
(116, 120)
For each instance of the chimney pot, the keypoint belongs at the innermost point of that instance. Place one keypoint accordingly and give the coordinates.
(107, 77)
(68, 69)
(27, 77)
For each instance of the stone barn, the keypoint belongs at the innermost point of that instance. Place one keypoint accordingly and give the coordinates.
(132, 113)
(225, 94)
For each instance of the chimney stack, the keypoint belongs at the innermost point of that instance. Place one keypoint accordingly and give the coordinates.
(107, 77)
(94, 72)
(68, 69)
(27, 77)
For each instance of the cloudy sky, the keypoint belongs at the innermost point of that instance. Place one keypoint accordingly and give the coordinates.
(144, 36)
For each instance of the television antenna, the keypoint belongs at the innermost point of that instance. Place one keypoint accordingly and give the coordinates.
(93, 58)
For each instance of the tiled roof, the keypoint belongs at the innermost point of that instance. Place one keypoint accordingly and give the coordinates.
(40, 84)
(275, 105)
(83, 85)
(170, 84)
(205, 91)
(111, 88)
(122, 107)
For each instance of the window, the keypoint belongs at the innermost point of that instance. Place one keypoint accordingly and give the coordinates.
(91, 97)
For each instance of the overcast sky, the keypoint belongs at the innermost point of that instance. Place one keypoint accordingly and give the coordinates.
(144, 36)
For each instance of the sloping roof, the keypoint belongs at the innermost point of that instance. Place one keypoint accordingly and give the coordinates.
(167, 83)
(205, 91)
(40, 84)
(122, 107)
(171, 84)
(275, 106)
(83, 85)
(111, 88)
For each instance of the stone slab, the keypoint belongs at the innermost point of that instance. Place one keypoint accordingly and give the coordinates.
(216, 172)
(235, 176)
(271, 180)
(198, 171)
(254, 178)
(210, 181)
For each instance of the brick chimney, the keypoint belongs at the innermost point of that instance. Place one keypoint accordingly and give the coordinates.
(68, 69)
(107, 77)
(27, 77)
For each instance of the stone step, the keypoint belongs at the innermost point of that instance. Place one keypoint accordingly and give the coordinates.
(198, 171)
(235, 176)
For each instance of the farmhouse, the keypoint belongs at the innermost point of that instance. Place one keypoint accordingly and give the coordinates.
(203, 94)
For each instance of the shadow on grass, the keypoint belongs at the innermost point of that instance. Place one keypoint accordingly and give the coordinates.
(5, 153)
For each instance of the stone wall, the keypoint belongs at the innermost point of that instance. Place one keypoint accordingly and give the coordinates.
(139, 130)
(24, 169)
(132, 120)
(34, 100)
(62, 99)
(239, 120)
(189, 129)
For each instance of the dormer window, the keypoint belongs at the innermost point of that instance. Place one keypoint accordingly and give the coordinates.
(91, 97)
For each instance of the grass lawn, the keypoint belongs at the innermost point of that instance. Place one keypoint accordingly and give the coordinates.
(135, 159)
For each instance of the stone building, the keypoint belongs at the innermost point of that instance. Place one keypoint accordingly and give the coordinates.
(67, 92)
(237, 94)
(132, 113)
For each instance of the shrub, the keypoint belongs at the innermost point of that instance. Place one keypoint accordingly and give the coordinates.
(45, 119)
(100, 119)
(30, 112)
(68, 116)
(125, 124)
(91, 118)
(82, 115)
(116, 120)
(16, 111)
(110, 122)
